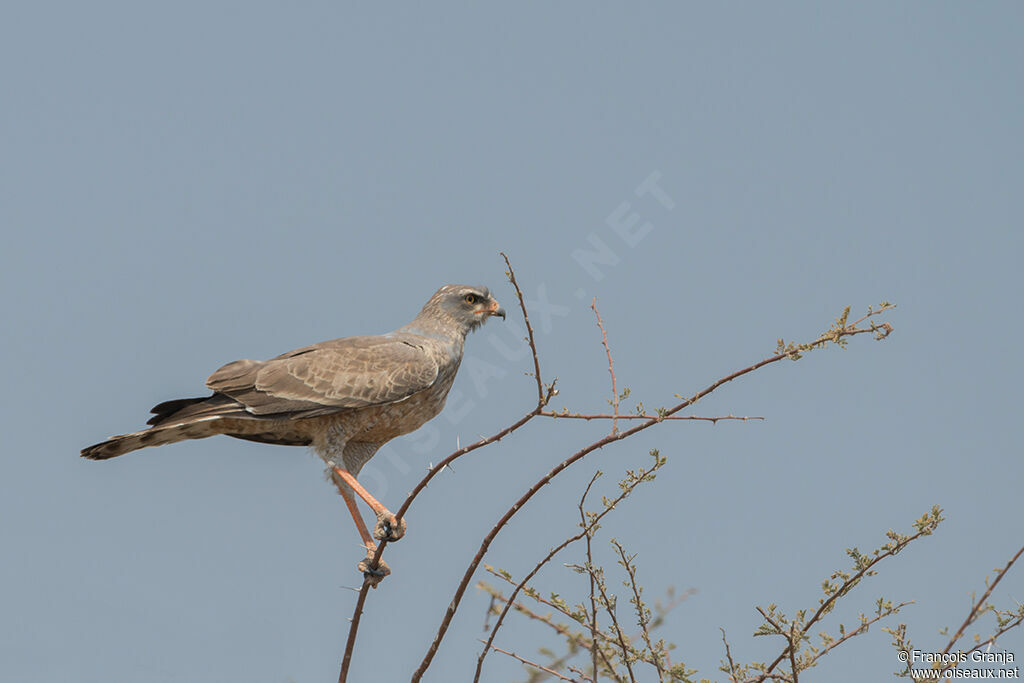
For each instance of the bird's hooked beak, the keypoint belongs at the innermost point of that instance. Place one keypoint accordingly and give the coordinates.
(496, 309)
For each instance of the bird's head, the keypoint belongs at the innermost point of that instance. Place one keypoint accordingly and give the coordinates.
(463, 307)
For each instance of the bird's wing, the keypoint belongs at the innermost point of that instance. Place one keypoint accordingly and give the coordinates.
(317, 380)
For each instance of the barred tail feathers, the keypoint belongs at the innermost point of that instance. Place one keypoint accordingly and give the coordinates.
(173, 421)
(154, 436)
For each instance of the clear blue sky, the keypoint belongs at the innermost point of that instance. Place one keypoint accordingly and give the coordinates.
(185, 185)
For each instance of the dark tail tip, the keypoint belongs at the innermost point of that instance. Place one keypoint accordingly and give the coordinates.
(100, 451)
(166, 409)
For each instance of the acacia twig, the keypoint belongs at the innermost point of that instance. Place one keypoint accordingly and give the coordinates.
(642, 618)
(609, 607)
(519, 587)
(838, 333)
(576, 638)
(593, 600)
(588, 528)
(979, 608)
(583, 676)
(548, 603)
(645, 416)
(611, 367)
(792, 651)
(527, 662)
(733, 673)
(560, 629)
(862, 628)
(926, 528)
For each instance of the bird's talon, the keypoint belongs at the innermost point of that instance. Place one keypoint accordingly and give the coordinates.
(388, 528)
(376, 574)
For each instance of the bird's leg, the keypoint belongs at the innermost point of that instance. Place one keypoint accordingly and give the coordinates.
(364, 533)
(388, 526)
(377, 574)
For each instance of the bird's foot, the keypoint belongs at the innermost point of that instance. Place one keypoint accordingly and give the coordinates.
(374, 575)
(388, 528)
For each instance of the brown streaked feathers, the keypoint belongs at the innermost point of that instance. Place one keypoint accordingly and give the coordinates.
(346, 398)
(275, 401)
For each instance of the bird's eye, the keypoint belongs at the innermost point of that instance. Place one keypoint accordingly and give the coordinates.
(471, 298)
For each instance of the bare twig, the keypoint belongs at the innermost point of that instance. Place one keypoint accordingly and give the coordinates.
(838, 334)
(535, 665)
(733, 672)
(794, 640)
(1015, 620)
(542, 399)
(560, 629)
(863, 628)
(645, 416)
(536, 596)
(979, 608)
(576, 638)
(926, 525)
(588, 528)
(609, 607)
(611, 367)
(642, 615)
(519, 587)
(979, 605)
(593, 600)
(487, 618)
(583, 676)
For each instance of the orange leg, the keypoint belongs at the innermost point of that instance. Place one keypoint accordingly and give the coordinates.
(357, 517)
(377, 572)
(388, 526)
(347, 477)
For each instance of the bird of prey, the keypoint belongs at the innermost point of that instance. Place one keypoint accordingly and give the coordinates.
(345, 397)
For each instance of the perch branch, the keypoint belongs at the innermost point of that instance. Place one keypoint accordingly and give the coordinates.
(838, 334)
(544, 394)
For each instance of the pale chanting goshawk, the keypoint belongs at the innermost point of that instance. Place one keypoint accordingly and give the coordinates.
(345, 397)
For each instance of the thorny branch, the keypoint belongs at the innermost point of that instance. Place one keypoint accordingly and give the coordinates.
(611, 367)
(1006, 621)
(602, 640)
(564, 610)
(590, 563)
(588, 527)
(657, 656)
(978, 607)
(535, 665)
(643, 615)
(733, 672)
(560, 629)
(609, 607)
(865, 567)
(644, 416)
(838, 334)
(861, 629)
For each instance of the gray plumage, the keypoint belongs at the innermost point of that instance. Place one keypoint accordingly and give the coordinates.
(345, 397)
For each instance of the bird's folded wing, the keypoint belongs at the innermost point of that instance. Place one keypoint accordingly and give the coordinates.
(327, 377)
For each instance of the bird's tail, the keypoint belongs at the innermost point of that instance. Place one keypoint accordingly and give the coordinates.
(179, 420)
(154, 436)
